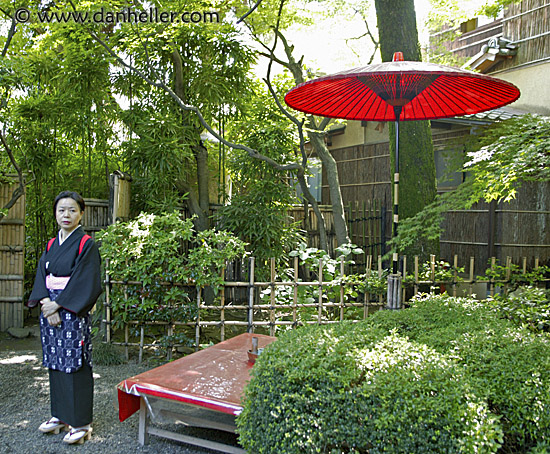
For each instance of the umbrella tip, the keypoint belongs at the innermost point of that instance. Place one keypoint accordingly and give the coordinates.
(398, 56)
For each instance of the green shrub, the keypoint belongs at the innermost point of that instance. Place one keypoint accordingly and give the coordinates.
(447, 375)
(507, 365)
(348, 389)
(510, 369)
(106, 355)
(527, 305)
(164, 261)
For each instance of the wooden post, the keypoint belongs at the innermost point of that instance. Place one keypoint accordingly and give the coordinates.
(222, 310)
(471, 279)
(492, 282)
(126, 353)
(295, 296)
(198, 324)
(341, 288)
(143, 434)
(141, 342)
(320, 298)
(455, 274)
(508, 273)
(251, 296)
(416, 265)
(403, 290)
(380, 298)
(272, 298)
(107, 302)
(394, 292)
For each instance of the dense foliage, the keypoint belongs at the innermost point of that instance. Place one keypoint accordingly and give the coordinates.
(498, 162)
(261, 196)
(448, 375)
(162, 261)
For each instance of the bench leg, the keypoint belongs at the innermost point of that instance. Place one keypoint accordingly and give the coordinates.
(143, 433)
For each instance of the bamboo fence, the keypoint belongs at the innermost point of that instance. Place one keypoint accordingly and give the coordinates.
(12, 242)
(269, 314)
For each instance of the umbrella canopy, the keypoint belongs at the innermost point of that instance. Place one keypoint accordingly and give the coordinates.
(423, 91)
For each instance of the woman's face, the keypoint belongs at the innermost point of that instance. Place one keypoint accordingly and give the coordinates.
(68, 214)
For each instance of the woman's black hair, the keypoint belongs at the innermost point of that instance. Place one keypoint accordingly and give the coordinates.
(69, 195)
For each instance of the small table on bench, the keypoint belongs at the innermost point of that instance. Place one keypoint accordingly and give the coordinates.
(203, 389)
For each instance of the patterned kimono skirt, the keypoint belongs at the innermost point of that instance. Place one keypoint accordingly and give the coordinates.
(67, 354)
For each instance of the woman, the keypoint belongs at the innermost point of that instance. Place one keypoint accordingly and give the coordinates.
(67, 285)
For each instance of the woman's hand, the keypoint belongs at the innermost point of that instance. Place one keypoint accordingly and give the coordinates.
(49, 307)
(54, 319)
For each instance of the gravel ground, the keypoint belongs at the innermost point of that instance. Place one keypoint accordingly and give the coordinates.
(24, 404)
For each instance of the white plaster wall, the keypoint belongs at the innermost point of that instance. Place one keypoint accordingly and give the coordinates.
(355, 134)
(534, 84)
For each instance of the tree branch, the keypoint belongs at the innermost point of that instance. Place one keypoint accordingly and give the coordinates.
(190, 108)
(250, 11)
(11, 33)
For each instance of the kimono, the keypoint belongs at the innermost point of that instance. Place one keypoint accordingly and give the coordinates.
(72, 279)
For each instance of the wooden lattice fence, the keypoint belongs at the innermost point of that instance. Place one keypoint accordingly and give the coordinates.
(270, 306)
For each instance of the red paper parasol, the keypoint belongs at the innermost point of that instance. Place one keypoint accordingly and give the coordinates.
(424, 91)
(401, 91)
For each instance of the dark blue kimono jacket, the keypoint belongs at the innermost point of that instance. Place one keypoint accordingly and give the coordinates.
(67, 346)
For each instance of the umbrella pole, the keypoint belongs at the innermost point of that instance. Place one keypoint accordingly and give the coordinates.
(397, 110)
(394, 279)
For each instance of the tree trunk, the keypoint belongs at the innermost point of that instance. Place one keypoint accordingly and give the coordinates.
(322, 151)
(340, 226)
(417, 182)
(323, 240)
(198, 204)
(203, 176)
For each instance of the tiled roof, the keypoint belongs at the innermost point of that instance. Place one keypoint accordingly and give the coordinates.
(500, 114)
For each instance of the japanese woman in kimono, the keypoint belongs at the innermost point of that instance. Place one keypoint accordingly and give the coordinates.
(67, 285)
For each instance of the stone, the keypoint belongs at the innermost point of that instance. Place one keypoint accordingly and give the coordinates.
(19, 333)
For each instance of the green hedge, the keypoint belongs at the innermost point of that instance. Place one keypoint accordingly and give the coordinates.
(447, 375)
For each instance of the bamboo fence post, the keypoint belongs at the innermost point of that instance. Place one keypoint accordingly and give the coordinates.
(272, 298)
(251, 296)
(403, 289)
(508, 273)
(471, 279)
(295, 296)
(126, 336)
(320, 298)
(222, 308)
(366, 295)
(141, 342)
(350, 222)
(198, 323)
(141, 334)
(366, 222)
(524, 265)
(170, 333)
(416, 274)
(455, 273)
(536, 268)
(107, 302)
(341, 288)
(126, 341)
(492, 280)
(432, 273)
(380, 297)
(370, 225)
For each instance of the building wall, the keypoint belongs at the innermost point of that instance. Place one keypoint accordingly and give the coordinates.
(359, 133)
(534, 83)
